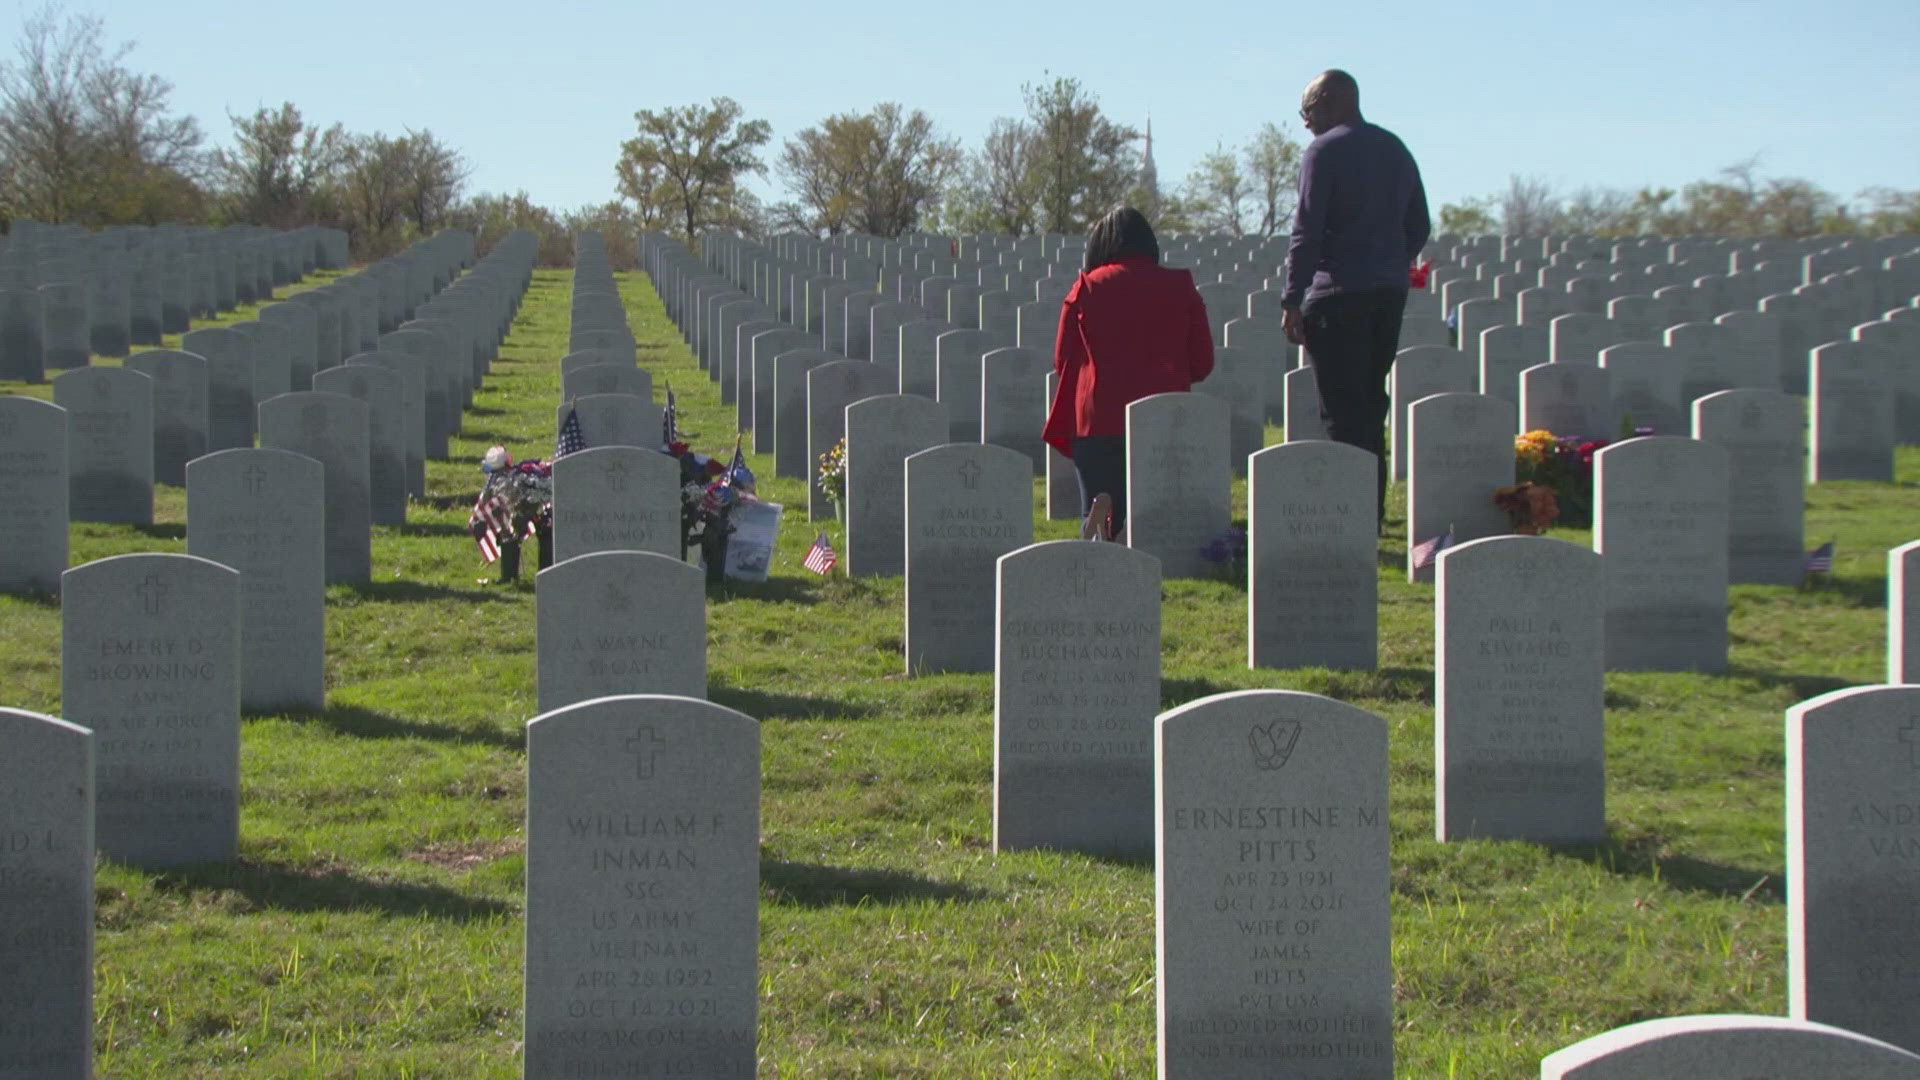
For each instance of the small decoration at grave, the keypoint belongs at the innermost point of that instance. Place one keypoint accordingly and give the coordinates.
(1563, 466)
(1531, 508)
(515, 503)
(833, 476)
(1228, 553)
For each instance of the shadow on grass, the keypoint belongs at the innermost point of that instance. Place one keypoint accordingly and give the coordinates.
(1803, 686)
(328, 888)
(763, 706)
(1389, 684)
(403, 590)
(47, 600)
(371, 724)
(814, 886)
(485, 410)
(785, 590)
(1863, 592)
(1639, 857)
(164, 531)
(1391, 559)
(421, 528)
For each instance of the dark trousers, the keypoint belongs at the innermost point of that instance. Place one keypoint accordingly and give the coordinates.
(1100, 461)
(1351, 339)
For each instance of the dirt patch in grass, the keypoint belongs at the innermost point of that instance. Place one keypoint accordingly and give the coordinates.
(466, 854)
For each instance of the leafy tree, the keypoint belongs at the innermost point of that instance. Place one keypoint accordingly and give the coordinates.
(490, 216)
(875, 172)
(1889, 212)
(279, 168)
(394, 189)
(1217, 192)
(687, 163)
(85, 139)
(1080, 163)
(1273, 173)
(1468, 217)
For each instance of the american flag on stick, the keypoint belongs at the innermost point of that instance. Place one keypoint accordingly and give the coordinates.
(820, 557)
(571, 441)
(721, 493)
(669, 423)
(1820, 559)
(1427, 552)
(489, 522)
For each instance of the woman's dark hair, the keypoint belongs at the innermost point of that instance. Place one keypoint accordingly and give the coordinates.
(1122, 232)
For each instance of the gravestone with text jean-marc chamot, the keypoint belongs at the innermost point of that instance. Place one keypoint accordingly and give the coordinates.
(1178, 479)
(616, 498)
(179, 409)
(1853, 861)
(619, 622)
(1764, 433)
(46, 863)
(1660, 519)
(150, 663)
(333, 430)
(1729, 1047)
(882, 432)
(643, 864)
(1519, 723)
(1271, 881)
(967, 504)
(1312, 576)
(34, 494)
(109, 443)
(261, 513)
(1076, 686)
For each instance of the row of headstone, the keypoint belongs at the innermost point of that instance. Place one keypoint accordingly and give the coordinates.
(67, 294)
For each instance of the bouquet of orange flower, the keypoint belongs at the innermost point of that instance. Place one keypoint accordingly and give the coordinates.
(1531, 508)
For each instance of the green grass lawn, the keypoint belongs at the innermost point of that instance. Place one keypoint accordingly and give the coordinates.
(372, 927)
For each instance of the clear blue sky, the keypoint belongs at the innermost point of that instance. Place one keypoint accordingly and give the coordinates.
(539, 95)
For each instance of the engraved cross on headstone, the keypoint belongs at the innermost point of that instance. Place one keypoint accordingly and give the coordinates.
(616, 475)
(254, 476)
(643, 748)
(1911, 736)
(152, 591)
(1079, 577)
(970, 475)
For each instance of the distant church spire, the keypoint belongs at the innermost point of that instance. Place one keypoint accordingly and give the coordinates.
(1147, 185)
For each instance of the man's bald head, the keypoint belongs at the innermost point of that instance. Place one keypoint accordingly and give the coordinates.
(1331, 99)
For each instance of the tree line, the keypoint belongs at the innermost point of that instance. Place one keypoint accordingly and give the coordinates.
(1737, 202)
(86, 139)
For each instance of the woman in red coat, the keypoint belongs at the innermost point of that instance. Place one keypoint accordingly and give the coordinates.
(1129, 328)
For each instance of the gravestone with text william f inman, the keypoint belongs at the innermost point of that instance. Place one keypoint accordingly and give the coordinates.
(1273, 946)
(643, 875)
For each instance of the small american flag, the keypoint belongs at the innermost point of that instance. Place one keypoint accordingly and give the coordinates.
(1820, 559)
(669, 423)
(571, 441)
(820, 557)
(721, 493)
(489, 522)
(1427, 552)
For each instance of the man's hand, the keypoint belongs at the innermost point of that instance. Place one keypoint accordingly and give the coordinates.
(1293, 324)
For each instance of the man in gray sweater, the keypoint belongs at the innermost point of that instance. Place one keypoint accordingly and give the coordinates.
(1360, 221)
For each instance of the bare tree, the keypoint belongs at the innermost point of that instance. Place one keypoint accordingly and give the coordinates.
(1217, 192)
(82, 137)
(1528, 207)
(1081, 163)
